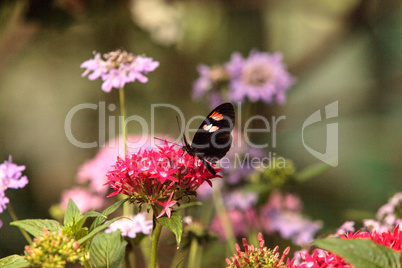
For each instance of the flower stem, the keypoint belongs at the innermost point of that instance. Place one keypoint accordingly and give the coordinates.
(126, 206)
(193, 261)
(224, 218)
(155, 240)
(14, 217)
(86, 263)
(123, 119)
(178, 258)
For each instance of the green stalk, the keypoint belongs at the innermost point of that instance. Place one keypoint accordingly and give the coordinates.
(86, 264)
(126, 207)
(224, 218)
(14, 217)
(178, 258)
(155, 240)
(193, 260)
(123, 119)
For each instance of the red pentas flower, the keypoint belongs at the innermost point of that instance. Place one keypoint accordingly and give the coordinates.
(389, 239)
(324, 259)
(319, 259)
(159, 177)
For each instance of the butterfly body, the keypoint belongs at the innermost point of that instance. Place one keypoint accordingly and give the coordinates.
(213, 138)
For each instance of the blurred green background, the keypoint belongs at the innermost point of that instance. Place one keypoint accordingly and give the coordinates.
(346, 50)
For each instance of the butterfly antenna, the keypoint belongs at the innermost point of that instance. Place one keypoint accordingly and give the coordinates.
(178, 124)
(165, 140)
(159, 139)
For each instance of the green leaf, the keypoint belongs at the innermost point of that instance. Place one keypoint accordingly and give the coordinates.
(107, 250)
(35, 226)
(81, 222)
(14, 261)
(97, 230)
(76, 230)
(99, 220)
(361, 253)
(311, 171)
(174, 224)
(73, 214)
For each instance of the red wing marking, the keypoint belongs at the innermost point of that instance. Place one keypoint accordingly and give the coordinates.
(216, 116)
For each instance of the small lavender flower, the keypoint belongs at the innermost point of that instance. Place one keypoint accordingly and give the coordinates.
(10, 177)
(282, 214)
(294, 226)
(346, 227)
(240, 200)
(261, 76)
(118, 68)
(132, 226)
(388, 216)
(211, 78)
(370, 225)
(211, 82)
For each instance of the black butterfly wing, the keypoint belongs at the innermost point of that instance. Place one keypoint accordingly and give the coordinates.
(213, 138)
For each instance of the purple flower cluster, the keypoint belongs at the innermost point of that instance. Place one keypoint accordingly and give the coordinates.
(10, 177)
(118, 68)
(388, 216)
(282, 214)
(211, 81)
(131, 226)
(261, 76)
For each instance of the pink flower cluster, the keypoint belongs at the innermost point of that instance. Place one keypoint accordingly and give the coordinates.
(118, 68)
(159, 178)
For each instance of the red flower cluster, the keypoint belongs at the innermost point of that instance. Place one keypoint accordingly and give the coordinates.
(257, 256)
(158, 177)
(389, 239)
(324, 259)
(319, 259)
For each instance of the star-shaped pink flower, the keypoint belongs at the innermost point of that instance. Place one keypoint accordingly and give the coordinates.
(167, 205)
(163, 174)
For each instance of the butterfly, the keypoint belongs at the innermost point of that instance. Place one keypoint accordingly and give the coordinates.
(213, 138)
